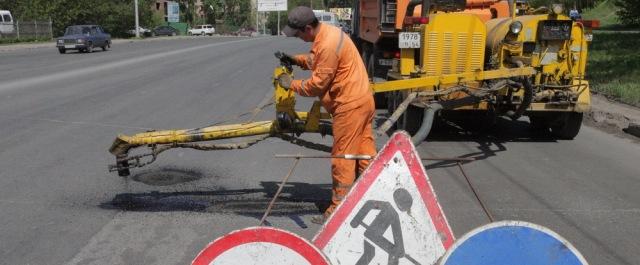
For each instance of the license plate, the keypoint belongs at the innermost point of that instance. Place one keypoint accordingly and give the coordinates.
(588, 37)
(385, 62)
(70, 46)
(409, 40)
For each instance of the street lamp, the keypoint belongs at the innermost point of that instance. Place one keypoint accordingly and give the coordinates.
(137, 21)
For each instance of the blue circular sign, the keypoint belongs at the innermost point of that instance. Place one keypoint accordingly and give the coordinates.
(512, 242)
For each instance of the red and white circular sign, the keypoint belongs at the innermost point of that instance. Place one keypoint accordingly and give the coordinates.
(260, 245)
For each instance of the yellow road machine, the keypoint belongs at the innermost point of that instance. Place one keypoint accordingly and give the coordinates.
(531, 65)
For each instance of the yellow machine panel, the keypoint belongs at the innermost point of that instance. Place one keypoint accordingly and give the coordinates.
(452, 44)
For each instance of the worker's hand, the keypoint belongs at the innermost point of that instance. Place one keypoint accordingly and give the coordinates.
(285, 58)
(284, 80)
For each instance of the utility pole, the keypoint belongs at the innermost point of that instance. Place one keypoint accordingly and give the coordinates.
(137, 20)
(257, 18)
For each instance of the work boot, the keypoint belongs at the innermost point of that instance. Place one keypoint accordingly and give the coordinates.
(321, 219)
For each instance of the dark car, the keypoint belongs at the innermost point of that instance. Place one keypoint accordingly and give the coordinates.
(164, 30)
(83, 38)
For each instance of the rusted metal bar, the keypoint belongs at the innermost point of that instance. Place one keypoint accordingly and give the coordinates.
(275, 196)
(367, 157)
(473, 189)
(449, 158)
(346, 156)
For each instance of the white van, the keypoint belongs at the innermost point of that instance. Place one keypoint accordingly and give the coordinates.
(327, 17)
(6, 23)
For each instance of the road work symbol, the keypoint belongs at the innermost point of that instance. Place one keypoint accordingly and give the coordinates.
(386, 218)
(390, 216)
(512, 242)
(260, 245)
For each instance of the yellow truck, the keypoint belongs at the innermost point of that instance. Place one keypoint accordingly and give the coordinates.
(531, 65)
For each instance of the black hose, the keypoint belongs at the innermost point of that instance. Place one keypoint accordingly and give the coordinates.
(427, 123)
(431, 110)
(424, 12)
(527, 98)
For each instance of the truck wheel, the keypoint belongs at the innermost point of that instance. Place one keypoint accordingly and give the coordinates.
(89, 48)
(62, 50)
(106, 46)
(567, 126)
(538, 123)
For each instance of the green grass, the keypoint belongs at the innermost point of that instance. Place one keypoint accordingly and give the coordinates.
(613, 66)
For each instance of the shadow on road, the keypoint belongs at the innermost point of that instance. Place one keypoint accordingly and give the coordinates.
(489, 132)
(297, 198)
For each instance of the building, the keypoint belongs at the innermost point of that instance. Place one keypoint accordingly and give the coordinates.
(160, 7)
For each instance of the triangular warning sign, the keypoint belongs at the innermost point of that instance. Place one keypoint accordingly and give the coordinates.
(390, 216)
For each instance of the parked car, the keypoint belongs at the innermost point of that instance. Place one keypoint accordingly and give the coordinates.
(143, 31)
(83, 38)
(6, 23)
(164, 30)
(202, 30)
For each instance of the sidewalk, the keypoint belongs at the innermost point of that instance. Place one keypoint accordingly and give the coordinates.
(613, 116)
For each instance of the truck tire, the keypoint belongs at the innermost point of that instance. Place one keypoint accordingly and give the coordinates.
(62, 50)
(538, 123)
(106, 46)
(567, 126)
(89, 48)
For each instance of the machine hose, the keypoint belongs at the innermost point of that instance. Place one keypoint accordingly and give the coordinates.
(431, 110)
(424, 12)
(527, 98)
(427, 122)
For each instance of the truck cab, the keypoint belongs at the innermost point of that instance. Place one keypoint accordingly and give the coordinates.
(327, 18)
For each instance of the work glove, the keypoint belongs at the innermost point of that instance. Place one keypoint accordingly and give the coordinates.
(284, 80)
(285, 58)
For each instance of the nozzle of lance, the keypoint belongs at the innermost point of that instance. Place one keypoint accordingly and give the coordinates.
(120, 146)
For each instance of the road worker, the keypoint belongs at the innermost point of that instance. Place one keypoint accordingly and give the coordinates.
(339, 78)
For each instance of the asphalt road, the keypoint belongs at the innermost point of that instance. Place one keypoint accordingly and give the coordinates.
(60, 113)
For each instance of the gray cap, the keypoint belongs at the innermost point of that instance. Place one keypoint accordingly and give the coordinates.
(299, 17)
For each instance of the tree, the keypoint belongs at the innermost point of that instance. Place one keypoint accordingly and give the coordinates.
(628, 12)
(213, 10)
(188, 10)
(115, 16)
